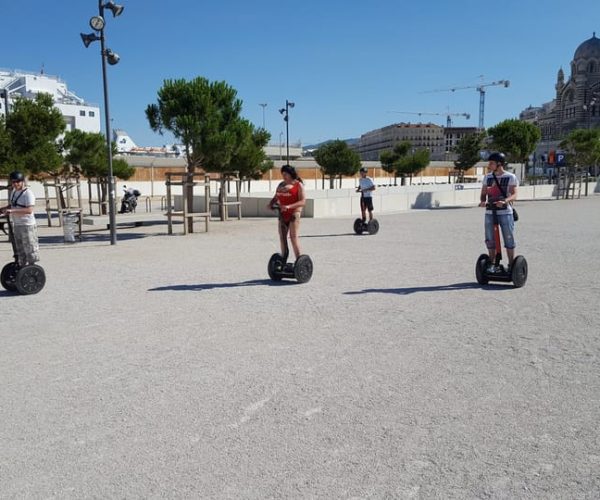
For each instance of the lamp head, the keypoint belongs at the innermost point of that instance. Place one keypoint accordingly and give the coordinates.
(117, 10)
(282, 110)
(291, 104)
(89, 38)
(112, 57)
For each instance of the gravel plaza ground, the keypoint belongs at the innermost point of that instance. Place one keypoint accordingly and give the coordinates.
(171, 367)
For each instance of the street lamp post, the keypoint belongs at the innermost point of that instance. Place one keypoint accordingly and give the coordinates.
(97, 23)
(285, 112)
(280, 145)
(263, 105)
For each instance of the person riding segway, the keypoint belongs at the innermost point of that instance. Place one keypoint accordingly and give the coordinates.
(366, 186)
(288, 201)
(23, 274)
(498, 191)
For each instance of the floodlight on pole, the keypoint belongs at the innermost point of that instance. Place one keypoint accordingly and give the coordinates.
(97, 23)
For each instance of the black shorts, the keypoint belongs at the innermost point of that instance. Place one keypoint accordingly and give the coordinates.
(366, 202)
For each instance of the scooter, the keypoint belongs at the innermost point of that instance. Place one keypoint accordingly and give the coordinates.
(279, 268)
(27, 280)
(517, 274)
(129, 202)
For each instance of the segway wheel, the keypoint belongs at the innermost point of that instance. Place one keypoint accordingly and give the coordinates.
(373, 226)
(8, 276)
(358, 226)
(482, 264)
(275, 267)
(30, 280)
(303, 269)
(519, 271)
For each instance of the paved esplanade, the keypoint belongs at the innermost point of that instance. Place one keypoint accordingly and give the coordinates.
(171, 366)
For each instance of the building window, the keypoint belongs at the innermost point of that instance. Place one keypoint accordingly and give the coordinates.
(91, 113)
(591, 67)
(81, 112)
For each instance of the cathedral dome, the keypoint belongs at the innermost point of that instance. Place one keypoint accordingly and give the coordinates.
(588, 49)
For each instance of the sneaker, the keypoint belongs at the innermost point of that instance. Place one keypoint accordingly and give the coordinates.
(491, 269)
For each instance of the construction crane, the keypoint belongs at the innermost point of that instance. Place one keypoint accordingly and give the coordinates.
(481, 89)
(448, 115)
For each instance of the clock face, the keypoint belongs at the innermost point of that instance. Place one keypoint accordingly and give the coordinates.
(97, 23)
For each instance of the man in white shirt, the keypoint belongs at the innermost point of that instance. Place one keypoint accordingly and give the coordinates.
(366, 186)
(20, 210)
(498, 191)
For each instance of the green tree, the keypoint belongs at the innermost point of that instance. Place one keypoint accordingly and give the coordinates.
(582, 147)
(86, 153)
(516, 139)
(205, 117)
(413, 163)
(390, 159)
(468, 149)
(250, 159)
(5, 149)
(337, 159)
(29, 141)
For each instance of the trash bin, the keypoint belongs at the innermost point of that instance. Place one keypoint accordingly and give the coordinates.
(70, 223)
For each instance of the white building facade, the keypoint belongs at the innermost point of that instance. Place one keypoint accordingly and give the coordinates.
(78, 113)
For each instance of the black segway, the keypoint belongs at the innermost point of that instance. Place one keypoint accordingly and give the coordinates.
(279, 268)
(361, 226)
(26, 280)
(517, 274)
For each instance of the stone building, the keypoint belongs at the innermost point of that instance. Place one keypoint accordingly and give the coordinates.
(577, 100)
(420, 135)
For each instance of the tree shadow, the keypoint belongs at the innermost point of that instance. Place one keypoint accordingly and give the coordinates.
(92, 238)
(211, 286)
(435, 288)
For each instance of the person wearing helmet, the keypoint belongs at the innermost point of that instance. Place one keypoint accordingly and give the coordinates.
(290, 199)
(20, 211)
(499, 190)
(366, 186)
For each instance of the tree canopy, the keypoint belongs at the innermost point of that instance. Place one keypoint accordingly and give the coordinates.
(515, 138)
(390, 159)
(87, 152)
(582, 147)
(28, 136)
(413, 163)
(205, 117)
(468, 150)
(336, 159)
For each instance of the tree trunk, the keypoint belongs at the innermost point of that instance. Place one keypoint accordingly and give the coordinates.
(331, 181)
(189, 195)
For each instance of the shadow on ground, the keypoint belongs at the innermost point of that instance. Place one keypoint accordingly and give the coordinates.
(211, 286)
(436, 288)
(326, 235)
(90, 237)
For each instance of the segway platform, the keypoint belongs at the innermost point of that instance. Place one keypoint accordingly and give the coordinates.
(371, 227)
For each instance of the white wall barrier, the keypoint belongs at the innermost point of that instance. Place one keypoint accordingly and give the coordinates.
(345, 202)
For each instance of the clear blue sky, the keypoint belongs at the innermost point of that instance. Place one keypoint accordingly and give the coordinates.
(346, 64)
